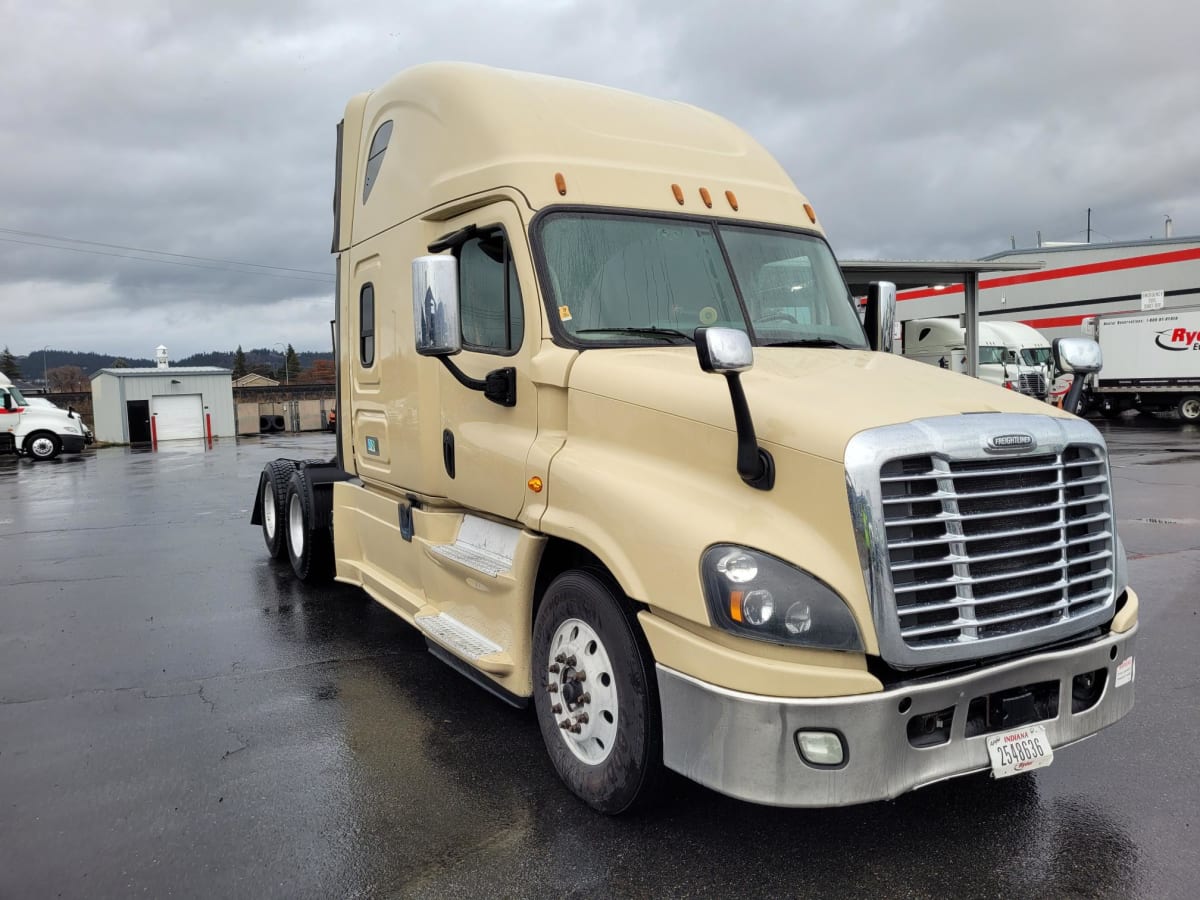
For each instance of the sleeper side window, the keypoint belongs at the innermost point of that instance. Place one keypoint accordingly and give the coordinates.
(366, 325)
(489, 295)
(379, 145)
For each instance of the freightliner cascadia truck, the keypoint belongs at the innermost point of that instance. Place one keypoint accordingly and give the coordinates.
(612, 436)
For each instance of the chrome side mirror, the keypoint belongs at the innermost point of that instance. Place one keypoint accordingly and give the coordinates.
(1078, 355)
(724, 350)
(880, 317)
(435, 306)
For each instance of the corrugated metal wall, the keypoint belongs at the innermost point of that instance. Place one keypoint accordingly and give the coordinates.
(110, 393)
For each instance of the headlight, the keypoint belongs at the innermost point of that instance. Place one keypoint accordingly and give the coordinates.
(757, 595)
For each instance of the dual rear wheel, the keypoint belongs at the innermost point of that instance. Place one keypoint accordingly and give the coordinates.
(288, 522)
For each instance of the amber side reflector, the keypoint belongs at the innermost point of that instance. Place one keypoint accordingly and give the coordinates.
(535, 484)
(706, 197)
(735, 605)
(732, 200)
(678, 192)
(812, 216)
(560, 183)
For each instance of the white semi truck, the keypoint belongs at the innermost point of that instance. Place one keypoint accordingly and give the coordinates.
(1007, 357)
(1151, 362)
(37, 431)
(611, 435)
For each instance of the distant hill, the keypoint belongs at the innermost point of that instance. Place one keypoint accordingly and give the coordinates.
(265, 358)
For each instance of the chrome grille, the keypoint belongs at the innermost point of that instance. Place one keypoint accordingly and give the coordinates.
(985, 549)
(1032, 383)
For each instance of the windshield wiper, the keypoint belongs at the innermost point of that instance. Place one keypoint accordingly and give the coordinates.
(812, 342)
(664, 333)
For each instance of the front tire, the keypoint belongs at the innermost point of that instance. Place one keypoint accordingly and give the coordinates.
(596, 695)
(1189, 408)
(43, 445)
(310, 548)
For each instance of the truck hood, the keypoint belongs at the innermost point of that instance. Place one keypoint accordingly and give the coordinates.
(808, 399)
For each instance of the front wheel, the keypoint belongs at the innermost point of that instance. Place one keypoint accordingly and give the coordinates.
(43, 445)
(595, 694)
(1189, 408)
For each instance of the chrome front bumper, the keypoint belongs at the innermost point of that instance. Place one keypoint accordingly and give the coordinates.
(744, 745)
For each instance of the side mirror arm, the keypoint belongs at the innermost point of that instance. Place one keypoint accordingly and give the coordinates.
(754, 464)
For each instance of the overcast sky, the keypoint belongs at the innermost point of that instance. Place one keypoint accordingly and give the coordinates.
(206, 129)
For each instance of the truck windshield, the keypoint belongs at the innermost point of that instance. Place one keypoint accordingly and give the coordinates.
(637, 280)
(17, 398)
(990, 355)
(1035, 356)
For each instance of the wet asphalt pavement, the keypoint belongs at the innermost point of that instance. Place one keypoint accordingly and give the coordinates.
(178, 717)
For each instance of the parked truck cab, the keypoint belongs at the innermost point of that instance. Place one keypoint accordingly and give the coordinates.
(612, 437)
(37, 431)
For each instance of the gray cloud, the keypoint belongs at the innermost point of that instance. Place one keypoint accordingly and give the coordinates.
(917, 129)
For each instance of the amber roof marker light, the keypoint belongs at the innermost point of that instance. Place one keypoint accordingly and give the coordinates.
(812, 215)
(678, 192)
(560, 183)
(706, 197)
(733, 204)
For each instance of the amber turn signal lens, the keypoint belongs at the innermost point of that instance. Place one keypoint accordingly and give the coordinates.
(732, 200)
(535, 484)
(812, 216)
(735, 605)
(560, 183)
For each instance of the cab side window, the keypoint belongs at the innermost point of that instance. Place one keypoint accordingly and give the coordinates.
(490, 297)
(366, 325)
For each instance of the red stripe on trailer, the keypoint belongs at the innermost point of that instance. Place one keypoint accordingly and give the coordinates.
(1108, 265)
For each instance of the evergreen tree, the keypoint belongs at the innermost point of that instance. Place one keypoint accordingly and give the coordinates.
(9, 365)
(293, 363)
(119, 363)
(239, 363)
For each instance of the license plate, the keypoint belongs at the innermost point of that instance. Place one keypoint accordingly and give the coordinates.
(1020, 750)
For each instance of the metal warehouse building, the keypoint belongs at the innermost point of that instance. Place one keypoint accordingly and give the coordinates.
(133, 406)
(1078, 281)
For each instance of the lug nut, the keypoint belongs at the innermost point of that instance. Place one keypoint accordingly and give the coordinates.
(556, 708)
(554, 668)
(581, 719)
(575, 729)
(552, 688)
(585, 697)
(570, 661)
(561, 658)
(579, 676)
(565, 724)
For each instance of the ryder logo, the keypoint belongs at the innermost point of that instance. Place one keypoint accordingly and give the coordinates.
(1178, 339)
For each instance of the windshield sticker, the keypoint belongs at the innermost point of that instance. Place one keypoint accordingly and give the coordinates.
(564, 313)
(708, 316)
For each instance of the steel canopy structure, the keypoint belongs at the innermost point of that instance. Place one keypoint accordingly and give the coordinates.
(913, 273)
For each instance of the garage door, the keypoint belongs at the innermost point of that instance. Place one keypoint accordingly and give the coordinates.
(178, 416)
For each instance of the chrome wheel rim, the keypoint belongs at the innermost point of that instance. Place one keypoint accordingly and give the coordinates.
(41, 447)
(583, 691)
(268, 508)
(1190, 409)
(296, 525)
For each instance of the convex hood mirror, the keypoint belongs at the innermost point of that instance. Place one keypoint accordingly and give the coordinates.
(1081, 355)
(724, 350)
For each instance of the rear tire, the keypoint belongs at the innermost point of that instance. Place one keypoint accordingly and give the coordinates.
(610, 755)
(1189, 408)
(310, 548)
(272, 490)
(43, 445)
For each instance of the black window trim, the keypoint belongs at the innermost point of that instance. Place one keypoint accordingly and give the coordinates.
(480, 232)
(563, 338)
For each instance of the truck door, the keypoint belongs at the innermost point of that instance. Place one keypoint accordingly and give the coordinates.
(484, 444)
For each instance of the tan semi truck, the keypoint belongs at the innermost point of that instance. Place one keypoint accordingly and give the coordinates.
(829, 576)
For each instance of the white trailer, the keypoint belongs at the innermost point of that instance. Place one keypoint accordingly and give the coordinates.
(1151, 362)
